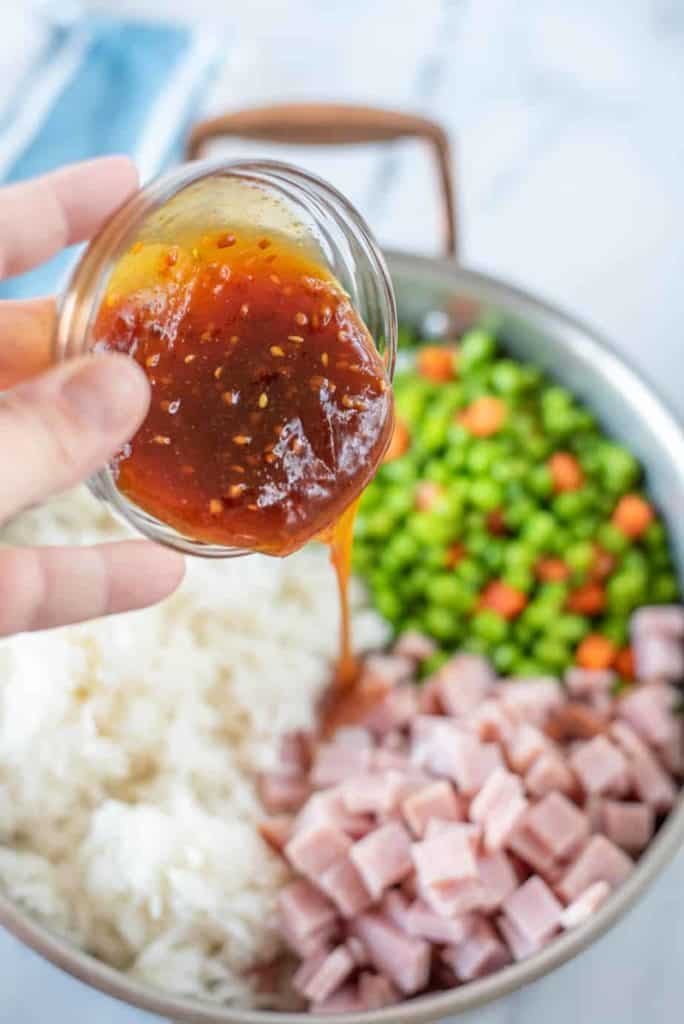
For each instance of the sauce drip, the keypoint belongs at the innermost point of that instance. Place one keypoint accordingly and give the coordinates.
(271, 408)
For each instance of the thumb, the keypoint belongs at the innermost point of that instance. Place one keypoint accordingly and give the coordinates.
(57, 429)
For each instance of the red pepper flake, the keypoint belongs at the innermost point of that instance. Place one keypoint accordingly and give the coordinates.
(217, 372)
(225, 241)
(235, 490)
(325, 359)
(274, 279)
(326, 316)
(276, 351)
(237, 469)
(263, 400)
(190, 358)
(296, 338)
(301, 319)
(161, 439)
(242, 439)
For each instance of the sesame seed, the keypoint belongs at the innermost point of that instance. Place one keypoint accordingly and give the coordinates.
(326, 316)
(277, 351)
(190, 358)
(296, 338)
(269, 457)
(231, 397)
(215, 507)
(225, 272)
(217, 372)
(137, 247)
(274, 278)
(161, 439)
(237, 469)
(253, 508)
(235, 490)
(244, 310)
(263, 400)
(325, 359)
(301, 319)
(242, 439)
(225, 241)
(195, 253)
(152, 360)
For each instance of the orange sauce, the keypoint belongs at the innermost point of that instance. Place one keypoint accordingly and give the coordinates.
(271, 408)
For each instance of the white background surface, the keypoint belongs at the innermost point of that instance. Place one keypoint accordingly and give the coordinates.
(570, 164)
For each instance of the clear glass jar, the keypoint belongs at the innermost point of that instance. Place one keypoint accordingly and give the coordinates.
(221, 195)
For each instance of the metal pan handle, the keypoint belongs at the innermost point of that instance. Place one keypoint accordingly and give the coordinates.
(332, 124)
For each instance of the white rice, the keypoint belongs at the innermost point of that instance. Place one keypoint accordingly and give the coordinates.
(127, 753)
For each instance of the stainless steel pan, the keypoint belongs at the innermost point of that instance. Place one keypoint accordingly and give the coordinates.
(450, 298)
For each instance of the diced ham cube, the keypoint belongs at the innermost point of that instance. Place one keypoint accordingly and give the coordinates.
(357, 951)
(327, 808)
(345, 1000)
(354, 736)
(415, 646)
(586, 683)
(395, 906)
(393, 712)
(648, 709)
(657, 656)
(376, 991)
(325, 977)
(653, 786)
(445, 861)
(383, 857)
(282, 793)
(312, 850)
(530, 850)
(600, 766)
(335, 762)
(294, 753)
(421, 920)
(593, 808)
(671, 753)
(403, 959)
(599, 861)
(384, 760)
(304, 912)
(498, 806)
(344, 885)
(307, 970)
(586, 904)
(519, 945)
(428, 698)
(532, 699)
(549, 772)
(534, 910)
(629, 824)
(525, 746)
(480, 953)
(463, 683)
(498, 877)
(436, 800)
(661, 620)
(373, 793)
(558, 825)
(276, 831)
(458, 755)
(491, 721)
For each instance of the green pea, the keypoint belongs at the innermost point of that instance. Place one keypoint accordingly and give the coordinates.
(539, 615)
(433, 663)
(519, 512)
(616, 628)
(476, 645)
(612, 539)
(440, 623)
(380, 524)
(553, 595)
(524, 633)
(528, 668)
(509, 470)
(584, 528)
(398, 501)
(458, 437)
(579, 556)
(507, 377)
(477, 348)
(471, 572)
(664, 588)
(490, 626)
(493, 555)
(540, 481)
(569, 505)
(429, 529)
(504, 656)
(538, 446)
(520, 555)
(626, 590)
(560, 423)
(433, 433)
(405, 548)
(437, 472)
(655, 536)
(539, 529)
(485, 494)
(569, 628)
(555, 397)
(552, 654)
(388, 604)
(477, 543)
(620, 468)
(482, 456)
(519, 579)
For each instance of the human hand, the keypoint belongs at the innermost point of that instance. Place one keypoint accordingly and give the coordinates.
(60, 426)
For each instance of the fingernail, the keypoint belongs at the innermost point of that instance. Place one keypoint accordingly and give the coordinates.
(109, 392)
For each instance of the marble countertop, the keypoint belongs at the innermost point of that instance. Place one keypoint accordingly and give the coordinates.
(569, 166)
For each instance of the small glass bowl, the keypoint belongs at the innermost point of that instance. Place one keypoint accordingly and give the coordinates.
(217, 195)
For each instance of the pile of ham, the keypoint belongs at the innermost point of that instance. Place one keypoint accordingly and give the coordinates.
(467, 821)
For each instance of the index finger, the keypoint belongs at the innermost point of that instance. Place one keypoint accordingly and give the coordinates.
(42, 216)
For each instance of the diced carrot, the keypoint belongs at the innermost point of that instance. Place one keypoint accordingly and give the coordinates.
(595, 652)
(589, 599)
(502, 598)
(437, 363)
(401, 440)
(552, 570)
(454, 555)
(624, 663)
(566, 472)
(496, 522)
(603, 563)
(633, 515)
(483, 417)
(427, 493)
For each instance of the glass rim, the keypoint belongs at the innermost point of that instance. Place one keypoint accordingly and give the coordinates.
(80, 300)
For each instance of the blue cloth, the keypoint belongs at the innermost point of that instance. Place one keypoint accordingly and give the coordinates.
(118, 75)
